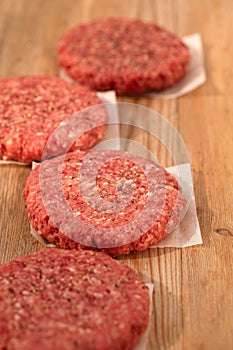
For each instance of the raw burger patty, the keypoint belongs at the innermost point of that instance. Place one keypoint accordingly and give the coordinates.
(32, 107)
(128, 56)
(109, 200)
(60, 299)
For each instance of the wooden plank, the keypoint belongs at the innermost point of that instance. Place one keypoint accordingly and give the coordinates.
(14, 227)
(192, 287)
(206, 124)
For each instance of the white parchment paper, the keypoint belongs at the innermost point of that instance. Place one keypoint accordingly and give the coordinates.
(2, 161)
(188, 233)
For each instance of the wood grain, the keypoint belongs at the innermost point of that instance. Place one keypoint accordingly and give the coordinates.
(193, 299)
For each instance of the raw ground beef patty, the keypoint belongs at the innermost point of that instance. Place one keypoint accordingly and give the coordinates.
(61, 299)
(32, 107)
(109, 200)
(128, 56)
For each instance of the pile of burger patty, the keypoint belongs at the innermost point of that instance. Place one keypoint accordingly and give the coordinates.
(63, 299)
(128, 56)
(108, 200)
(85, 201)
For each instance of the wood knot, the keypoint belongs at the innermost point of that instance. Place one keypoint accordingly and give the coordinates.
(224, 231)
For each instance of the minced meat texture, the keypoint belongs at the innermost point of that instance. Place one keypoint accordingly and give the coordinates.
(103, 200)
(128, 56)
(31, 108)
(68, 300)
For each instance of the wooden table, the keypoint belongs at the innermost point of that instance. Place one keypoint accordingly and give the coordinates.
(193, 298)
